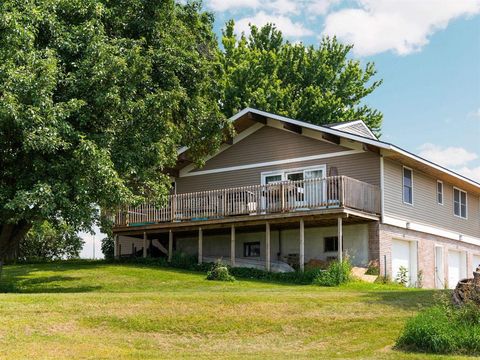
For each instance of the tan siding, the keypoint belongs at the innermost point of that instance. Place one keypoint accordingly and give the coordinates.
(270, 144)
(363, 166)
(425, 208)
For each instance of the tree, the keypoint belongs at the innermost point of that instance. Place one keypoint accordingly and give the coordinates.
(320, 85)
(46, 241)
(108, 248)
(95, 98)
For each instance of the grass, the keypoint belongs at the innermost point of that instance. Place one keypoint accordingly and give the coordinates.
(95, 310)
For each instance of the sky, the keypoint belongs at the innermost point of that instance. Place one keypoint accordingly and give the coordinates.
(426, 51)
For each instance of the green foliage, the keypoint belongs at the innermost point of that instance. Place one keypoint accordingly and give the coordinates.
(443, 329)
(338, 272)
(402, 276)
(295, 277)
(219, 272)
(108, 248)
(320, 84)
(373, 268)
(96, 97)
(47, 242)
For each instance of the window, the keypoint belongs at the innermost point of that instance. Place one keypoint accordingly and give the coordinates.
(330, 244)
(439, 192)
(271, 179)
(251, 249)
(407, 186)
(460, 203)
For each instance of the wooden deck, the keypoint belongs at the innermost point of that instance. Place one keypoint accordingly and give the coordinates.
(282, 200)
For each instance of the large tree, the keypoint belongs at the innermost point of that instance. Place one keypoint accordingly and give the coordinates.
(46, 241)
(320, 85)
(95, 98)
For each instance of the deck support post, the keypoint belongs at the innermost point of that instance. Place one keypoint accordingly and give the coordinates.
(170, 245)
(200, 245)
(232, 246)
(302, 246)
(267, 246)
(115, 247)
(340, 239)
(144, 244)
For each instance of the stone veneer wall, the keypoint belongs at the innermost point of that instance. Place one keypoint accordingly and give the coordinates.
(426, 251)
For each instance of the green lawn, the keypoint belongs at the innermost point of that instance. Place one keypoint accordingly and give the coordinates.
(93, 310)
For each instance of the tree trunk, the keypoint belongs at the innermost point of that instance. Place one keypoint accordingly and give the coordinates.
(10, 237)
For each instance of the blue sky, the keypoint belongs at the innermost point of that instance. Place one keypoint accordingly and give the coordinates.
(426, 51)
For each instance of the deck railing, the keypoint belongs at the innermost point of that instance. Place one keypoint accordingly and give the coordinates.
(286, 196)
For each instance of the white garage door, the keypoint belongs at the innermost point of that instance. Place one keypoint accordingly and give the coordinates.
(400, 257)
(476, 261)
(456, 268)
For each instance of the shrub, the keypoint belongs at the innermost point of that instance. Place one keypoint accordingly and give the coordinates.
(373, 268)
(295, 277)
(444, 329)
(402, 276)
(108, 246)
(338, 272)
(219, 272)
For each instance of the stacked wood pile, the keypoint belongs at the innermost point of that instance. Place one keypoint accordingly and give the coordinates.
(468, 290)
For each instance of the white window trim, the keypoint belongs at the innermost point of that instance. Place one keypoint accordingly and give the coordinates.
(284, 172)
(443, 193)
(466, 204)
(403, 185)
(271, 173)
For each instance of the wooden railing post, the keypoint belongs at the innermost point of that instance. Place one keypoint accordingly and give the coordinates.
(282, 189)
(173, 207)
(342, 191)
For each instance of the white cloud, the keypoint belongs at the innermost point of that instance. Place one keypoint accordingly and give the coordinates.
(448, 156)
(474, 114)
(457, 159)
(226, 5)
(283, 23)
(470, 172)
(284, 7)
(320, 7)
(400, 26)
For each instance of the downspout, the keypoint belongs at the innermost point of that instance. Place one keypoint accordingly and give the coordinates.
(382, 210)
(382, 189)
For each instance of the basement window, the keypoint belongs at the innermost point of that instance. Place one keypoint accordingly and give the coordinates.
(251, 249)
(330, 244)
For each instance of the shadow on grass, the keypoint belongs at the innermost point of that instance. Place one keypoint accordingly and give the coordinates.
(409, 300)
(17, 278)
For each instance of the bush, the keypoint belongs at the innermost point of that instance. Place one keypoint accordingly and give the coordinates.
(295, 277)
(338, 272)
(108, 248)
(219, 272)
(443, 329)
(373, 268)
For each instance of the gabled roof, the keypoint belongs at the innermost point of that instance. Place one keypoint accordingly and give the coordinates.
(356, 127)
(387, 150)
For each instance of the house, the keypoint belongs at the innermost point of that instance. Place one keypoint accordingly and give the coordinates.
(285, 193)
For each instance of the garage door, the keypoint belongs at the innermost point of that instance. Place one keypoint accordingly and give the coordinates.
(456, 268)
(476, 261)
(400, 257)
